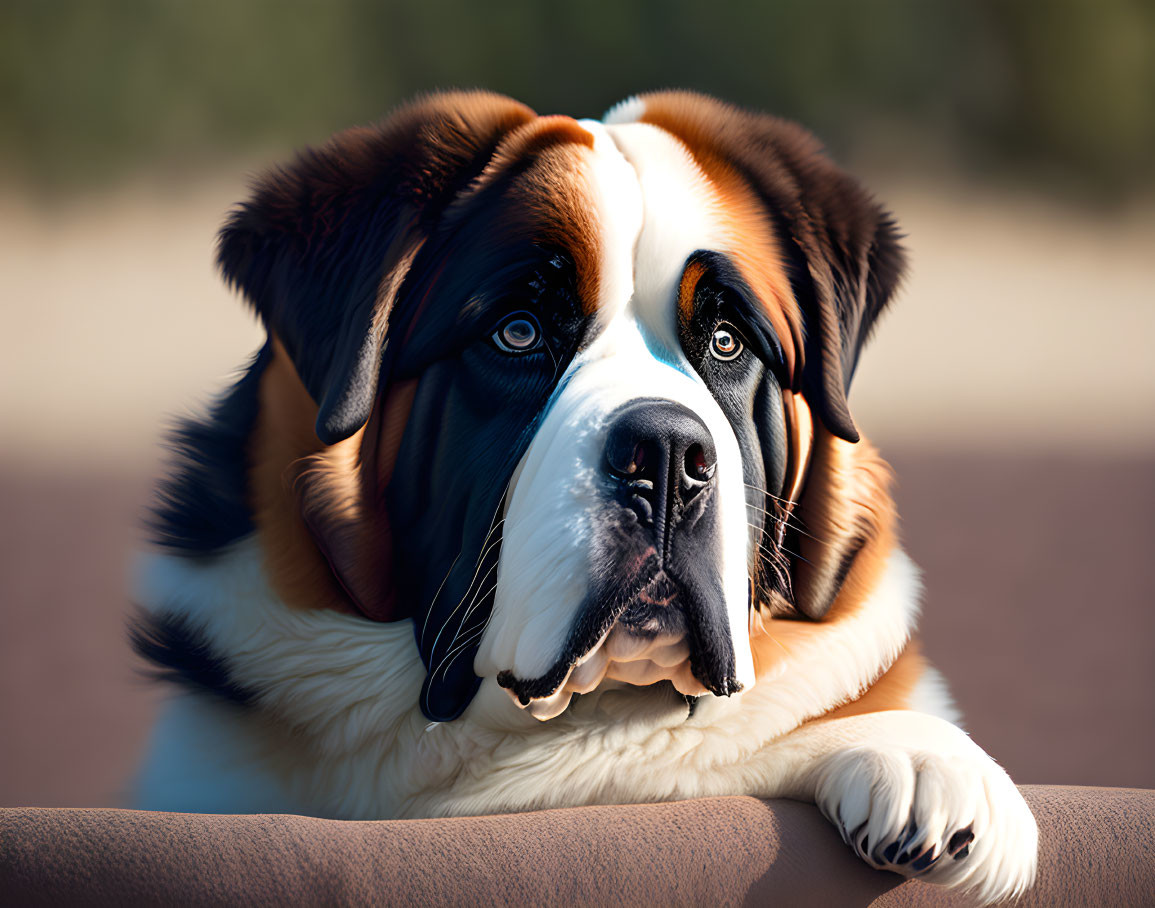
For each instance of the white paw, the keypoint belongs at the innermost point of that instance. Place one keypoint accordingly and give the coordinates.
(950, 816)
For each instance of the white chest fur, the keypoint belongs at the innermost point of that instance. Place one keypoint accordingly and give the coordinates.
(336, 730)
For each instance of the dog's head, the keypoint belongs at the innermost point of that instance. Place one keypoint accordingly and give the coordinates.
(560, 377)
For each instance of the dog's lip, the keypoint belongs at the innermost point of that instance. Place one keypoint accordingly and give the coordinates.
(622, 654)
(638, 653)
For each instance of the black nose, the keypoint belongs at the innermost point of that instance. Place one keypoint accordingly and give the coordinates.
(664, 455)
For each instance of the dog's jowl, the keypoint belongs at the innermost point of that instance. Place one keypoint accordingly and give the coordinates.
(544, 490)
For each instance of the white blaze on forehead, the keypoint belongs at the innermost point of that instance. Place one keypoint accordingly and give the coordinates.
(616, 200)
(653, 208)
(683, 216)
(628, 111)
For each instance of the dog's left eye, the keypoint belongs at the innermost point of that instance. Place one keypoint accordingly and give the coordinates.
(725, 344)
(519, 333)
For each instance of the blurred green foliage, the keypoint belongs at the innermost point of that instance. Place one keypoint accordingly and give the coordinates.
(1053, 90)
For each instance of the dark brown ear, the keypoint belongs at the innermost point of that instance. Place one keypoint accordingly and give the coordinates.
(844, 262)
(842, 248)
(322, 245)
(322, 250)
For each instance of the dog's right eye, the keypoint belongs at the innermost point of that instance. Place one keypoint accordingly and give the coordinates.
(519, 333)
(726, 345)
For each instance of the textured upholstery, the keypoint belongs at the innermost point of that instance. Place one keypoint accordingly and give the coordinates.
(1094, 850)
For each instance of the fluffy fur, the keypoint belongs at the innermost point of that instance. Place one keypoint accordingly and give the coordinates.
(411, 513)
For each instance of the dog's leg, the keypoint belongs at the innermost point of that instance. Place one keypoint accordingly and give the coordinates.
(911, 793)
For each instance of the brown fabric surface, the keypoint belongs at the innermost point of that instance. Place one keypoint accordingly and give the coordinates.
(706, 852)
(703, 852)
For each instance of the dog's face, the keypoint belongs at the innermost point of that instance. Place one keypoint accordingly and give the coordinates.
(576, 364)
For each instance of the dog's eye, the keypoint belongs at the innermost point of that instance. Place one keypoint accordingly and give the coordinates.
(725, 344)
(519, 333)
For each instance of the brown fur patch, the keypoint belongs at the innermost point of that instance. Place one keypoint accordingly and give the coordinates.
(550, 197)
(754, 246)
(317, 509)
(893, 688)
(383, 437)
(800, 440)
(849, 519)
(687, 287)
(282, 437)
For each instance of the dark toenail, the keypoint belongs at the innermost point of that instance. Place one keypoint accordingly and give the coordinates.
(928, 857)
(890, 851)
(963, 852)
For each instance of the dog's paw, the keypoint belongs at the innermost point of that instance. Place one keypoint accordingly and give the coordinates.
(951, 817)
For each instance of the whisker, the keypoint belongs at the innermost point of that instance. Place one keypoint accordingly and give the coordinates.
(778, 565)
(477, 598)
(447, 661)
(769, 494)
(485, 549)
(773, 556)
(556, 364)
(472, 602)
(437, 595)
(796, 555)
(780, 546)
(492, 528)
(480, 559)
(786, 521)
(783, 585)
(785, 502)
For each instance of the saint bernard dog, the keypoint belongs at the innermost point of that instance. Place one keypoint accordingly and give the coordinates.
(543, 491)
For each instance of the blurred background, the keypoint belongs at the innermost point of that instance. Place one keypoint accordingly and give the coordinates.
(1012, 385)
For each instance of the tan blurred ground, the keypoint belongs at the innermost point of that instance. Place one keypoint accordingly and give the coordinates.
(1023, 322)
(1012, 386)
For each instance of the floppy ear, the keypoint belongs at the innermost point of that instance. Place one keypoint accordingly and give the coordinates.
(321, 247)
(844, 261)
(322, 250)
(842, 249)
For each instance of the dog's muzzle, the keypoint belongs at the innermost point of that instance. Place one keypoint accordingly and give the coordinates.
(656, 610)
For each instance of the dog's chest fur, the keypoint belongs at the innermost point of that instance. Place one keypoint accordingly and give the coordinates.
(338, 731)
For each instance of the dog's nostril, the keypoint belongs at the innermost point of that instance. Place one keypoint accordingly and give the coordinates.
(661, 455)
(699, 466)
(628, 458)
(634, 461)
(638, 461)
